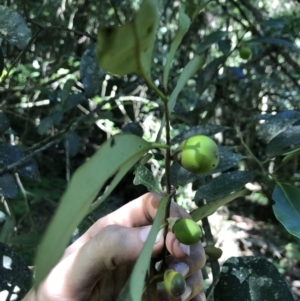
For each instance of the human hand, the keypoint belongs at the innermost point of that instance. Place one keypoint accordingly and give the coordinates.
(97, 265)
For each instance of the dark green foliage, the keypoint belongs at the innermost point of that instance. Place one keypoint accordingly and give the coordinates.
(253, 278)
(58, 106)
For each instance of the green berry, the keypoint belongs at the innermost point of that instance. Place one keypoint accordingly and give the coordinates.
(213, 252)
(187, 231)
(198, 154)
(245, 53)
(174, 283)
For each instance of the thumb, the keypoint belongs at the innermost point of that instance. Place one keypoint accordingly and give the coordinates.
(112, 247)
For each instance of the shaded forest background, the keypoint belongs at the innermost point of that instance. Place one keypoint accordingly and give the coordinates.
(57, 106)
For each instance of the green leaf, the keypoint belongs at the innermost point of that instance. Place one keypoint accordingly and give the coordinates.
(276, 41)
(143, 176)
(277, 23)
(45, 124)
(137, 278)
(276, 124)
(192, 9)
(13, 27)
(284, 142)
(211, 39)
(66, 90)
(208, 74)
(251, 279)
(211, 208)
(203, 129)
(8, 186)
(290, 155)
(4, 122)
(287, 207)
(129, 48)
(1, 62)
(189, 70)
(112, 160)
(223, 185)
(184, 24)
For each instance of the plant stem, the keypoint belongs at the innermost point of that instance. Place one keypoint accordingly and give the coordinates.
(158, 145)
(249, 150)
(168, 183)
(215, 267)
(168, 153)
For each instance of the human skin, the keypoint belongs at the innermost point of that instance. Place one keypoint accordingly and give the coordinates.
(97, 265)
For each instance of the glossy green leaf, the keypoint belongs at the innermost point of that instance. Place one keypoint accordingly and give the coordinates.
(283, 142)
(273, 125)
(211, 207)
(203, 129)
(276, 41)
(251, 279)
(16, 277)
(91, 75)
(228, 158)
(8, 186)
(184, 24)
(13, 27)
(208, 74)
(143, 176)
(290, 155)
(134, 287)
(1, 62)
(287, 207)
(223, 185)
(211, 39)
(129, 48)
(277, 23)
(112, 160)
(189, 70)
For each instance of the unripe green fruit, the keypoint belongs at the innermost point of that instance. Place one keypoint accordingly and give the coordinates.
(198, 154)
(187, 231)
(174, 283)
(213, 252)
(245, 53)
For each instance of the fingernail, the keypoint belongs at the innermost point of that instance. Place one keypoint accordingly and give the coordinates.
(159, 235)
(181, 268)
(144, 233)
(187, 293)
(185, 248)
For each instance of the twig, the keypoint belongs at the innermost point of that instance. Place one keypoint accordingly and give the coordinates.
(67, 147)
(239, 134)
(215, 267)
(23, 191)
(45, 27)
(20, 54)
(116, 12)
(42, 146)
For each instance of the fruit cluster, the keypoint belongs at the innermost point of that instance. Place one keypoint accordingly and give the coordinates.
(198, 154)
(187, 232)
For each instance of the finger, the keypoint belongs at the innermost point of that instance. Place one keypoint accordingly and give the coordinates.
(195, 284)
(114, 246)
(139, 212)
(200, 297)
(182, 263)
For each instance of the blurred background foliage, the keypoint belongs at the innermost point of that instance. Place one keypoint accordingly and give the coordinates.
(58, 105)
